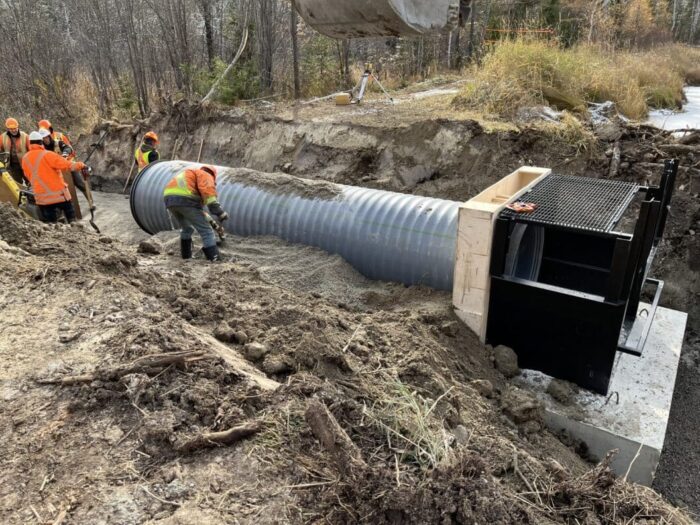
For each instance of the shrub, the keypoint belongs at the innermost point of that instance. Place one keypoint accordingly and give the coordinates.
(521, 73)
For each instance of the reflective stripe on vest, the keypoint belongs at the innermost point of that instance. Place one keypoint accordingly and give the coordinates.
(19, 143)
(46, 196)
(181, 190)
(142, 158)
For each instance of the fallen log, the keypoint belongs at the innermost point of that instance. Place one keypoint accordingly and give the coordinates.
(218, 439)
(679, 148)
(658, 166)
(346, 456)
(615, 161)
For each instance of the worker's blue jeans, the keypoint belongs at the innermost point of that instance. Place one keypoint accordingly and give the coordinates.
(189, 219)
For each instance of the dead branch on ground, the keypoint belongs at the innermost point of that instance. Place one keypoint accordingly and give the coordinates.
(148, 365)
(346, 456)
(217, 439)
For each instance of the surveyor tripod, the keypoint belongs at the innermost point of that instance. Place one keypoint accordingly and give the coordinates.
(363, 84)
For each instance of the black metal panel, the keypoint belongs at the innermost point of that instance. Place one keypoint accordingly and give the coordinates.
(565, 334)
(577, 260)
(577, 202)
(570, 317)
(666, 188)
(644, 235)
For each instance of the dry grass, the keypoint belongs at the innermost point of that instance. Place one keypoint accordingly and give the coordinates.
(414, 432)
(517, 73)
(570, 131)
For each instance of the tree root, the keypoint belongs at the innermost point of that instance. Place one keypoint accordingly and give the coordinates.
(148, 365)
(217, 439)
(346, 456)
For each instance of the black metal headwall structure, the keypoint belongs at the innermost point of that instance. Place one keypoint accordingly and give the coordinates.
(566, 285)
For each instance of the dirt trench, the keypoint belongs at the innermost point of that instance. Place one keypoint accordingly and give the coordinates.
(432, 432)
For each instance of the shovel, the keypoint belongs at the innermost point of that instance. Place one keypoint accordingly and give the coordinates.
(91, 203)
(88, 191)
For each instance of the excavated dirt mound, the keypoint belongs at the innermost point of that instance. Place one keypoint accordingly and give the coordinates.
(146, 389)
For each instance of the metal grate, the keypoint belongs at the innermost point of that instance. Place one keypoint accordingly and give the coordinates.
(577, 202)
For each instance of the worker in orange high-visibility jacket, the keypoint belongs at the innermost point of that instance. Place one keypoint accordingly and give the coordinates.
(147, 153)
(42, 169)
(60, 143)
(185, 197)
(16, 143)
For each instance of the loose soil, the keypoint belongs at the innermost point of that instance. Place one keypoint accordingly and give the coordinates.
(347, 400)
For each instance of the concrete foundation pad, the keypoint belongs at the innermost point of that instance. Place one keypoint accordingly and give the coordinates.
(634, 415)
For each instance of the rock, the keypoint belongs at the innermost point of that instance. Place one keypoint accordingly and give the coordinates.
(240, 337)
(483, 386)
(461, 435)
(68, 337)
(150, 246)
(531, 427)
(255, 351)
(106, 240)
(274, 365)
(450, 328)
(608, 132)
(224, 333)
(521, 406)
(555, 468)
(506, 361)
(562, 391)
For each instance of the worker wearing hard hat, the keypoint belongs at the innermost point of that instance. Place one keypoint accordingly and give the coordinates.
(60, 143)
(185, 197)
(57, 141)
(147, 152)
(42, 168)
(16, 143)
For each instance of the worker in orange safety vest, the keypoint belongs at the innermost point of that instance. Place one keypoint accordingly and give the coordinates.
(42, 168)
(147, 153)
(16, 143)
(60, 143)
(185, 197)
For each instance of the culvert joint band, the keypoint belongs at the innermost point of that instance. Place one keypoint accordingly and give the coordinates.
(385, 236)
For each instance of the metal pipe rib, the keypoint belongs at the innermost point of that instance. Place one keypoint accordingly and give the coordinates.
(385, 236)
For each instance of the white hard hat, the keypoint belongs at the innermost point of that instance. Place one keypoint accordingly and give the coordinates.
(44, 133)
(35, 136)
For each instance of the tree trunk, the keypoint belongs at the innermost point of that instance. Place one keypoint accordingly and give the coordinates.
(206, 8)
(470, 50)
(293, 20)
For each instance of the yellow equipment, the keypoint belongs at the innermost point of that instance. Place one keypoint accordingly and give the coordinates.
(343, 99)
(12, 192)
(9, 189)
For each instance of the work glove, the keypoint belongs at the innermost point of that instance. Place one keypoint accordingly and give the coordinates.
(86, 171)
(223, 217)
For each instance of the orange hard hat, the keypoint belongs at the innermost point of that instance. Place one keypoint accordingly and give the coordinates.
(11, 123)
(151, 135)
(45, 124)
(209, 169)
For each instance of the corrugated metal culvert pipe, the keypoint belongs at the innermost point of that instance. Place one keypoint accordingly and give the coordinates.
(385, 236)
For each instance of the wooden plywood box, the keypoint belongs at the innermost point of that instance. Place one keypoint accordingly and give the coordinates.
(470, 295)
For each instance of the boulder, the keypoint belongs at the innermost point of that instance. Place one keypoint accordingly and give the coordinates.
(506, 361)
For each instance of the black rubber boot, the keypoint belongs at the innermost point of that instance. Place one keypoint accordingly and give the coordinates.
(212, 253)
(186, 248)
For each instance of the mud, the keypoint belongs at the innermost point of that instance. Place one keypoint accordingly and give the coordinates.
(393, 372)
(443, 435)
(281, 184)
